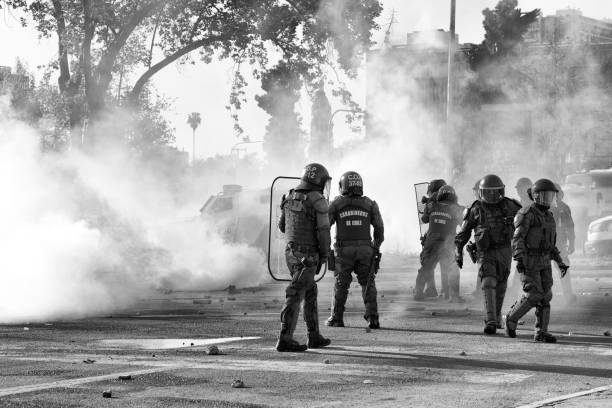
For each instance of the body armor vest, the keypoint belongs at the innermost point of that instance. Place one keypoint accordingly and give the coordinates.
(353, 218)
(541, 235)
(494, 229)
(441, 219)
(300, 219)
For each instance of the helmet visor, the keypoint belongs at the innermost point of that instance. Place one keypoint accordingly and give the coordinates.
(491, 195)
(545, 198)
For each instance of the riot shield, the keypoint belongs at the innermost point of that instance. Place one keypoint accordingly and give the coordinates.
(420, 191)
(277, 266)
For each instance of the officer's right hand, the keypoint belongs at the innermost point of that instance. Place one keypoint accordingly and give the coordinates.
(563, 268)
(459, 259)
(520, 266)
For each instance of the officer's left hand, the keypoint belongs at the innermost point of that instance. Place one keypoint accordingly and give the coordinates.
(563, 268)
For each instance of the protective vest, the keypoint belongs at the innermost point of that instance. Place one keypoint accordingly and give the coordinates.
(300, 219)
(494, 224)
(540, 238)
(353, 218)
(442, 219)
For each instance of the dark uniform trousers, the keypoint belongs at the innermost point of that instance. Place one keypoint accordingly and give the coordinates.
(493, 271)
(438, 250)
(302, 263)
(358, 259)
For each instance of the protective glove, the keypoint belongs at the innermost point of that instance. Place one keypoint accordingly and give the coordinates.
(520, 266)
(322, 261)
(570, 248)
(422, 240)
(459, 258)
(563, 268)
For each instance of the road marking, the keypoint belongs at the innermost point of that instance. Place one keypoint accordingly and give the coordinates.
(76, 381)
(162, 344)
(549, 401)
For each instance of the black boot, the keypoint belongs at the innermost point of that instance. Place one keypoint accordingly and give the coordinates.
(544, 337)
(334, 322)
(290, 345)
(374, 324)
(315, 340)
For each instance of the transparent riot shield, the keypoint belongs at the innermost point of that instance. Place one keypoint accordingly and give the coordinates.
(277, 266)
(420, 191)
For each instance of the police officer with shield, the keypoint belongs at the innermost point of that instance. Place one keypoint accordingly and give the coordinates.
(304, 221)
(533, 248)
(353, 213)
(430, 284)
(490, 217)
(443, 215)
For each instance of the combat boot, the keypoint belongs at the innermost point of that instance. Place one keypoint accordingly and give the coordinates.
(334, 322)
(490, 328)
(544, 337)
(290, 345)
(315, 340)
(374, 324)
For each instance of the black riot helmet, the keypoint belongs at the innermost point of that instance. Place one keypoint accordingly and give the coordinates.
(351, 183)
(491, 189)
(447, 193)
(434, 186)
(476, 189)
(314, 177)
(544, 192)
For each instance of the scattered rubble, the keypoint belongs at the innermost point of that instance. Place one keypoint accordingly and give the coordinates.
(89, 361)
(212, 350)
(125, 377)
(237, 384)
(327, 361)
(607, 333)
(107, 394)
(463, 353)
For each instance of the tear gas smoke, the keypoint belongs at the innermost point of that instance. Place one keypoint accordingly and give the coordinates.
(83, 235)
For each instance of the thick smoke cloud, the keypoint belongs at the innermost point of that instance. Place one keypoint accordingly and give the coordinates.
(83, 235)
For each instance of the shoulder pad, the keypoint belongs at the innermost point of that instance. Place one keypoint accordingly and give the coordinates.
(368, 200)
(475, 205)
(318, 201)
(520, 215)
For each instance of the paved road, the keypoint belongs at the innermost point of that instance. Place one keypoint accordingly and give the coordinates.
(428, 354)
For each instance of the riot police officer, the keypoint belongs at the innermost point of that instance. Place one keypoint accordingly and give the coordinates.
(522, 185)
(566, 238)
(490, 217)
(353, 213)
(305, 223)
(443, 215)
(533, 247)
(432, 196)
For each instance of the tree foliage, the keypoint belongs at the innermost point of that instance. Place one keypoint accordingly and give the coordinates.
(99, 40)
(505, 27)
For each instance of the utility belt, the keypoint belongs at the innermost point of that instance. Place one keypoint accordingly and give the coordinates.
(357, 242)
(302, 247)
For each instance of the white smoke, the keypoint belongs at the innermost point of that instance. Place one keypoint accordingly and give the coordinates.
(81, 235)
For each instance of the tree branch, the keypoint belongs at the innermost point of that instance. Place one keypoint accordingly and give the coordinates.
(144, 78)
(64, 77)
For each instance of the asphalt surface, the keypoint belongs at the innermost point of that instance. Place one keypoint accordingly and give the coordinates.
(427, 354)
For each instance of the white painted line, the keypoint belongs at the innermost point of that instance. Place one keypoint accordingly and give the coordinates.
(76, 381)
(539, 404)
(161, 344)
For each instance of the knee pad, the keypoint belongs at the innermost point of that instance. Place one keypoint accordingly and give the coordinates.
(547, 298)
(290, 292)
(535, 297)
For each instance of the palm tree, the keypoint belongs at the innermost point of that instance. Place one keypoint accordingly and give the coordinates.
(194, 119)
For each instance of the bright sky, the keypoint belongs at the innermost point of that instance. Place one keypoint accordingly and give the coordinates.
(205, 89)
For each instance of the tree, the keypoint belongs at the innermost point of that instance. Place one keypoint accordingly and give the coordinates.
(321, 138)
(194, 119)
(505, 27)
(284, 138)
(99, 40)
